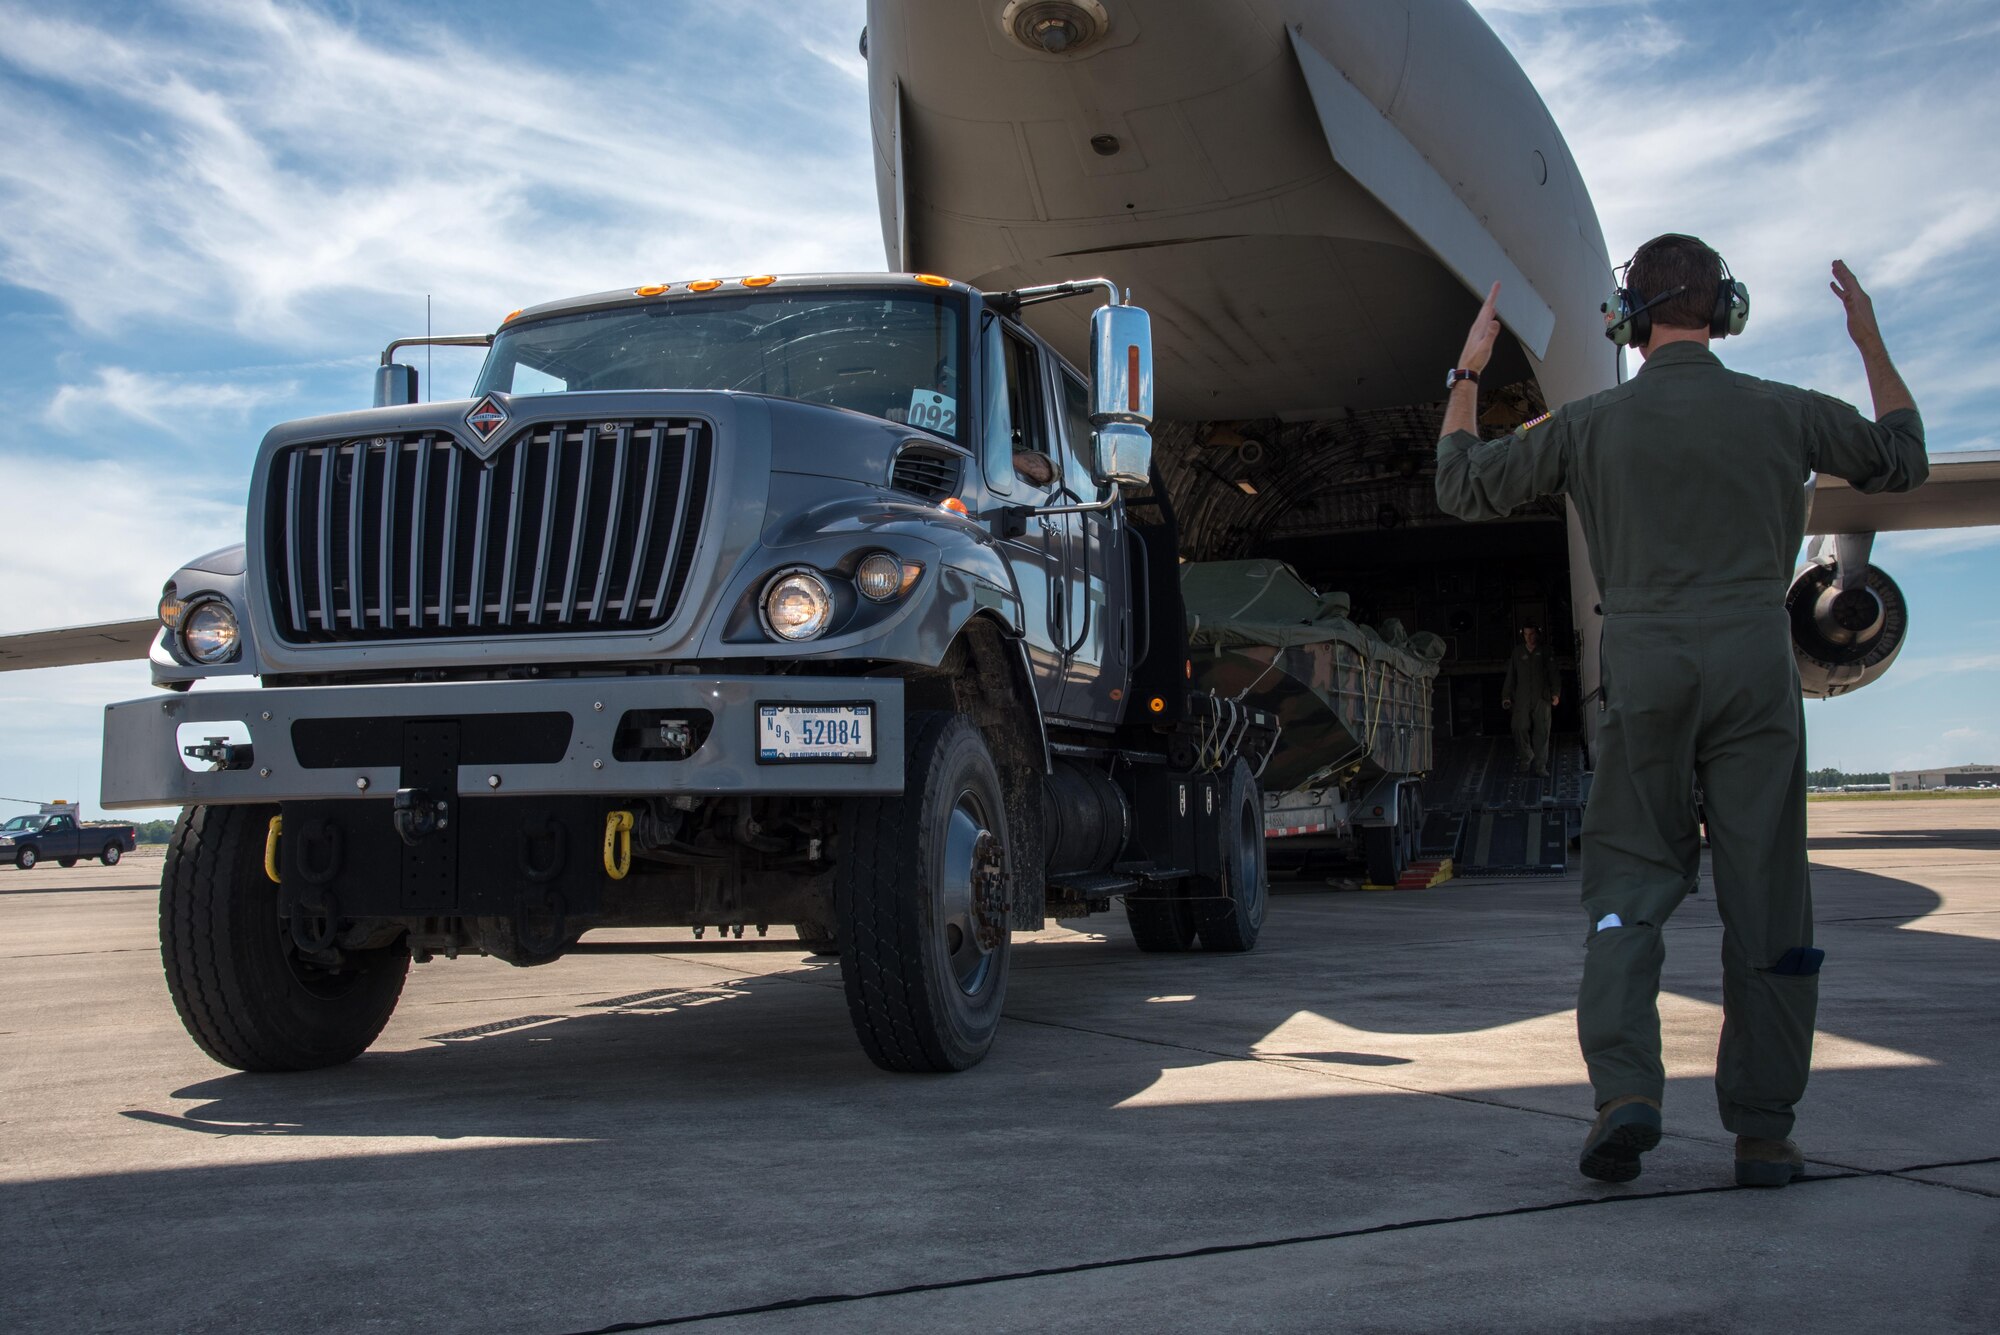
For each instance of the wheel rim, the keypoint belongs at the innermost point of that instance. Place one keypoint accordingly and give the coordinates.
(970, 926)
(26, 857)
(110, 855)
(1248, 885)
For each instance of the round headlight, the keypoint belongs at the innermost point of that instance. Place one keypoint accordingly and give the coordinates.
(879, 577)
(797, 606)
(208, 633)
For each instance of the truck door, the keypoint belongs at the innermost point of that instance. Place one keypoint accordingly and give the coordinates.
(1021, 464)
(58, 837)
(1098, 601)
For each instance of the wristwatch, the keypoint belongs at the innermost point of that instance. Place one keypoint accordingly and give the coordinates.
(1452, 378)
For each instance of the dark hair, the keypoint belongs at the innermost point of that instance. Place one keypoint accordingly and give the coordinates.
(1676, 261)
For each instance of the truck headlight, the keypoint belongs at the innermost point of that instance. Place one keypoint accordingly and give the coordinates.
(797, 605)
(209, 632)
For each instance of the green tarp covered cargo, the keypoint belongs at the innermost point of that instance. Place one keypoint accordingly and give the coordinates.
(1349, 696)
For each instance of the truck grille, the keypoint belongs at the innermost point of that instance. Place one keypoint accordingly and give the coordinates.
(570, 527)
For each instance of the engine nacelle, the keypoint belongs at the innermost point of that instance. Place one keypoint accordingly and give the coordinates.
(1844, 638)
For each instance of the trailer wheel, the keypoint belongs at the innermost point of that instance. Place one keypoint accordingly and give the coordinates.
(26, 858)
(1162, 921)
(1231, 906)
(235, 975)
(922, 896)
(1382, 846)
(109, 857)
(817, 939)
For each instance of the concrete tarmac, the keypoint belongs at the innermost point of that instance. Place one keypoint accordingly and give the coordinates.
(1371, 1123)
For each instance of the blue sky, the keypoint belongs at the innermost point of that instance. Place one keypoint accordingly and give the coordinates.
(212, 217)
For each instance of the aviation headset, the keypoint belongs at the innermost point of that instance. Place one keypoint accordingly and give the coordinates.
(1632, 323)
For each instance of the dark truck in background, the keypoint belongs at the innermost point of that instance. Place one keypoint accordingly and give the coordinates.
(60, 837)
(840, 601)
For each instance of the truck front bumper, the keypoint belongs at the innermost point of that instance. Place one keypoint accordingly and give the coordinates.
(508, 739)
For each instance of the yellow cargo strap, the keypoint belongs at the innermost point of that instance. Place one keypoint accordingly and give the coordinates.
(618, 844)
(271, 833)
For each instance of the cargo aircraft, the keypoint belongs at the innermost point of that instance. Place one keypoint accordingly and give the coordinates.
(1310, 196)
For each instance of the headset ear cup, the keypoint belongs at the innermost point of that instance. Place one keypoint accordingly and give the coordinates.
(1618, 321)
(1739, 307)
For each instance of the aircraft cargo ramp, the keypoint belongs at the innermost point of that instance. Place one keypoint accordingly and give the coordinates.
(1492, 818)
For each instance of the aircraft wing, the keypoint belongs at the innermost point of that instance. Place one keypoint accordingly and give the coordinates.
(70, 646)
(1963, 492)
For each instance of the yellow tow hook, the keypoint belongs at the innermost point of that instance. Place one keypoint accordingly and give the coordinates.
(271, 833)
(618, 844)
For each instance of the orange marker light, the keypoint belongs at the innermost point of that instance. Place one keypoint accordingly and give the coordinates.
(760, 280)
(932, 280)
(1157, 705)
(704, 285)
(510, 315)
(953, 504)
(651, 289)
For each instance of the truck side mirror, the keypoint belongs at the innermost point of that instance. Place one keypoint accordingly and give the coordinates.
(1121, 388)
(395, 385)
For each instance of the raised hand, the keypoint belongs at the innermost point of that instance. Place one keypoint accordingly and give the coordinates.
(1485, 329)
(1861, 326)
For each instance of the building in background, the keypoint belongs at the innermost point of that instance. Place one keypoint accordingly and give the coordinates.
(1951, 776)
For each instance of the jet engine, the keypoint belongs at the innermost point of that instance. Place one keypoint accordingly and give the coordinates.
(1848, 618)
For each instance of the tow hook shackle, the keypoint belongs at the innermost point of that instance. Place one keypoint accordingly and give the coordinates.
(271, 833)
(618, 844)
(417, 814)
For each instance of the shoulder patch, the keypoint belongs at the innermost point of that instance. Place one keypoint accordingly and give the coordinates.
(1532, 423)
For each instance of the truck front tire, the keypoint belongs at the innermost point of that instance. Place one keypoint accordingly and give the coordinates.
(922, 897)
(246, 997)
(25, 859)
(1231, 904)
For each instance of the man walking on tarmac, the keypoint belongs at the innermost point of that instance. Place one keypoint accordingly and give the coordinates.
(1530, 691)
(1688, 481)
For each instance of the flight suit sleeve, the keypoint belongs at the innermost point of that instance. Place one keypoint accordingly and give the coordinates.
(1871, 456)
(1490, 479)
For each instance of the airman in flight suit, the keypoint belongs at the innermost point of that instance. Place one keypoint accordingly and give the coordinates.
(1531, 689)
(1689, 483)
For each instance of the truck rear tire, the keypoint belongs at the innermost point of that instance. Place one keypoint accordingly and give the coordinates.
(1230, 906)
(817, 940)
(1382, 846)
(109, 857)
(1162, 922)
(65, 862)
(236, 978)
(922, 894)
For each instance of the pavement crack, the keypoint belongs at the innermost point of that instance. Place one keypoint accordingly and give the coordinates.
(1234, 1248)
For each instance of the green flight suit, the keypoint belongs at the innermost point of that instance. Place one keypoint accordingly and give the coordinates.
(1688, 481)
(1530, 689)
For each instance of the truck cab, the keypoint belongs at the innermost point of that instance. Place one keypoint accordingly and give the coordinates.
(839, 601)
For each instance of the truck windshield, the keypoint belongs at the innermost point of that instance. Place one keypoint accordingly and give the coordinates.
(894, 355)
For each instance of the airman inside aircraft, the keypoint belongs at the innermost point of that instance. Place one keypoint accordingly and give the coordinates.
(1531, 689)
(1688, 480)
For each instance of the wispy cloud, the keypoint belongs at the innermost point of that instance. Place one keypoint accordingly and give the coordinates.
(183, 406)
(272, 156)
(155, 518)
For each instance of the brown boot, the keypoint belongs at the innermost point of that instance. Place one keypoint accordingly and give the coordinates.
(1625, 1128)
(1767, 1163)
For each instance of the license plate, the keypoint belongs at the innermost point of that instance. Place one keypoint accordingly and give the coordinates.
(815, 732)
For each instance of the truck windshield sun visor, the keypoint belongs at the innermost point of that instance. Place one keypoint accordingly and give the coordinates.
(895, 355)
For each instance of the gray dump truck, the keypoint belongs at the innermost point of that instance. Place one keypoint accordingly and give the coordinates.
(840, 601)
